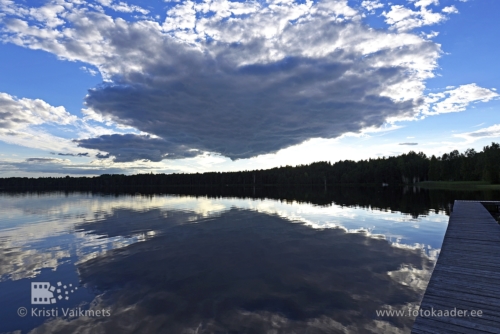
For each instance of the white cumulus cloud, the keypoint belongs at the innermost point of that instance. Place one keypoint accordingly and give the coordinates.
(122, 7)
(450, 10)
(457, 99)
(402, 18)
(371, 5)
(18, 113)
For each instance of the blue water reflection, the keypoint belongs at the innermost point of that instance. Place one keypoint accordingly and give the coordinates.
(181, 264)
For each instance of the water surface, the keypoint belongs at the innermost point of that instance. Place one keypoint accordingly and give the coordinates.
(218, 264)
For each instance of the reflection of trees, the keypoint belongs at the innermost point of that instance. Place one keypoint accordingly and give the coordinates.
(408, 199)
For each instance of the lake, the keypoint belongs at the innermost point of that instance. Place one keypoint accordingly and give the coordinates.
(219, 261)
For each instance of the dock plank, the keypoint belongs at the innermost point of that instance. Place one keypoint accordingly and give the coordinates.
(466, 275)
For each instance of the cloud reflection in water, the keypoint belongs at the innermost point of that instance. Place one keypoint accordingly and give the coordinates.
(245, 271)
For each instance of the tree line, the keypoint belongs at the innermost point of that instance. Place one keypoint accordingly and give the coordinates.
(406, 169)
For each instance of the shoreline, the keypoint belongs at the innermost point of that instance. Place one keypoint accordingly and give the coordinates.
(458, 185)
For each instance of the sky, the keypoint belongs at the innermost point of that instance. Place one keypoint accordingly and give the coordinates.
(107, 86)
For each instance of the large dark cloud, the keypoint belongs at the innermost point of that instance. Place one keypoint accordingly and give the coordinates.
(245, 112)
(236, 78)
(242, 272)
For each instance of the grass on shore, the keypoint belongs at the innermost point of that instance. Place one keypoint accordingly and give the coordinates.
(461, 185)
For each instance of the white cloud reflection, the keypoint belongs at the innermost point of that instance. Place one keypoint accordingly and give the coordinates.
(30, 220)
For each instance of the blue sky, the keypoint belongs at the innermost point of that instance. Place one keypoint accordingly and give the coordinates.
(93, 87)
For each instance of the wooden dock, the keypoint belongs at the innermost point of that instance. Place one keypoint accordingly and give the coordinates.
(467, 274)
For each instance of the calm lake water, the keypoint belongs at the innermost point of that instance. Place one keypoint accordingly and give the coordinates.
(275, 262)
